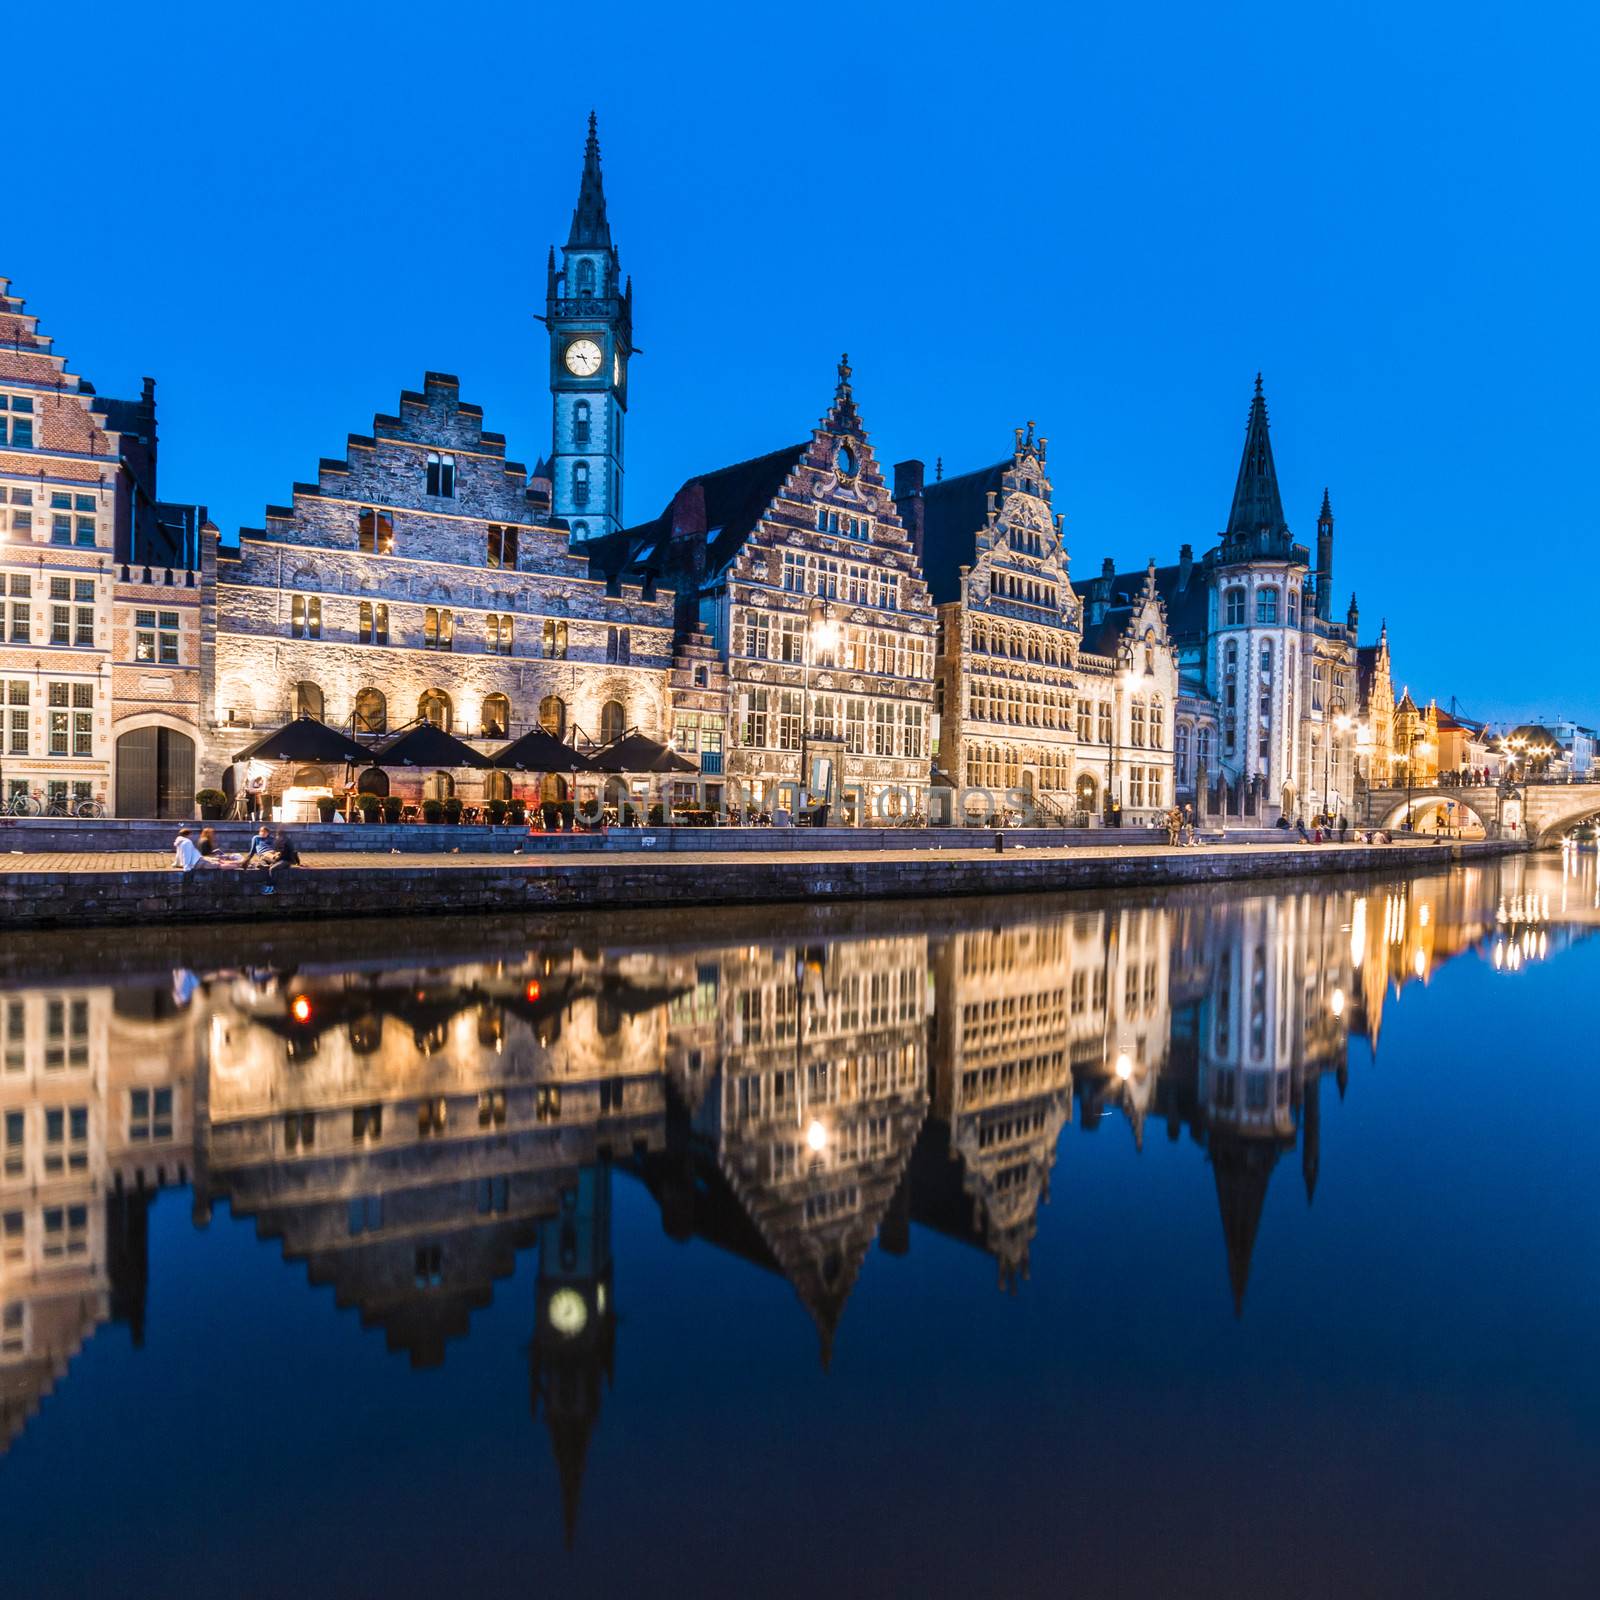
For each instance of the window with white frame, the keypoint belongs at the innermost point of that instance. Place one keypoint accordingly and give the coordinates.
(149, 1115)
(18, 717)
(156, 636)
(16, 420)
(20, 517)
(72, 519)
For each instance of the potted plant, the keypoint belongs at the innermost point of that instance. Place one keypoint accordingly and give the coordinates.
(432, 810)
(326, 806)
(392, 806)
(369, 805)
(516, 813)
(452, 810)
(550, 811)
(567, 810)
(496, 810)
(213, 804)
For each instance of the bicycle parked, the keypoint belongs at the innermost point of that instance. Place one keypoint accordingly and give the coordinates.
(38, 804)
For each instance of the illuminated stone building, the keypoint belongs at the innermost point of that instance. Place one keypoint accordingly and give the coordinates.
(1375, 713)
(87, 555)
(1070, 715)
(798, 568)
(421, 576)
(1267, 721)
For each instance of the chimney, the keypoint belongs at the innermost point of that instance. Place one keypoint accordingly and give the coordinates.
(909, 477)
(1185, 566)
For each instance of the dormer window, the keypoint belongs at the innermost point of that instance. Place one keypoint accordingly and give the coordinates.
(441, 475)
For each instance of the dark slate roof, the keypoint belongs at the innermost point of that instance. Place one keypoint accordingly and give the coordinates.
(953, 511)
(735, 498)
(1256, 501)
(1366, 668)
(1186, 604)
(1101, 638)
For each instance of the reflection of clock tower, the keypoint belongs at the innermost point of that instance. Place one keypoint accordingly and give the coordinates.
(589, 312)
(573, 1336)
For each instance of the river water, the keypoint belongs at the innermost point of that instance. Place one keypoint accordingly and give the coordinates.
(1207, 1242)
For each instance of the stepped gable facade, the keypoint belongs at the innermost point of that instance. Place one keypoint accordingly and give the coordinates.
(422, 575)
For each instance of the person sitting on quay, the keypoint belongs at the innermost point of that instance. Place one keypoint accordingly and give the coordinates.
(186, 854)
(1300, 830)
(285, 853)
(260, 853)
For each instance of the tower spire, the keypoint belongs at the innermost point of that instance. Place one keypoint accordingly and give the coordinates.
(589, 225)
(1257, 505)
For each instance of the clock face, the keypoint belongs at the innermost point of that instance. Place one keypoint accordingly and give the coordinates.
(567, 1312)
(583, 358)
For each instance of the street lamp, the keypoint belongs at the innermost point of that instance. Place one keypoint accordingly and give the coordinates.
(1418, 741)
(1339, 721)
(821, 637)
(1126, 679)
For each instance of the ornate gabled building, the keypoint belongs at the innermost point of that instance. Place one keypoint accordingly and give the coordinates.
(1375, 713)
(1064, 710)
(797, 566)
(422, 576)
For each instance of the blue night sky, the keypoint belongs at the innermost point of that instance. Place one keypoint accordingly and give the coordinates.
(1105, 219)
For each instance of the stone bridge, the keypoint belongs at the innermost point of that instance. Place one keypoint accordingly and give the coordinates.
(1539, 812)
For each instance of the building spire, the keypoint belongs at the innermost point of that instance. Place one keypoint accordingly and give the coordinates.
(843, 390)
(589, 226)
(1256, 502)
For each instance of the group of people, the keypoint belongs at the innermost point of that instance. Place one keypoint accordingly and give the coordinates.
(1325, 828)
(269, 852)
(1467, 778)
(1180, 825)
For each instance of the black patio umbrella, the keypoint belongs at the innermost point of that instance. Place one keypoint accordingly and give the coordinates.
(637, 752)
(305, 739)
(541, 751)
(428, 746)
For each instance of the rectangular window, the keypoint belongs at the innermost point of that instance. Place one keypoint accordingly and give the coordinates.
(21, 622)
(555, 640)
(16, 420)
(375, 532)
(149, 1115)
(502, 551)
(753, 733)
(441, 475)
(13, 1238)
(1104, 720)
(13, 1036)
(14, 1152)
(60, 624)
(155, 636)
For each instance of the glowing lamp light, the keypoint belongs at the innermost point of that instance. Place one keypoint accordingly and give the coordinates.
(532, 991)
(1423, 914)
(826, 635)
(816, 1137)
(1336, 1002)
(1124, 1067)
(300, 1008)
(1420, 963)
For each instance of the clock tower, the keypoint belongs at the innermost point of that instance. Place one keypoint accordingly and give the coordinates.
(589, 312)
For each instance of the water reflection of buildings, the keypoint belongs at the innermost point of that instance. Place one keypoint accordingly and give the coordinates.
(406, 1132)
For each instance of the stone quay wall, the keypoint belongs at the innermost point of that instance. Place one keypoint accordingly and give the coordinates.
(80, 898)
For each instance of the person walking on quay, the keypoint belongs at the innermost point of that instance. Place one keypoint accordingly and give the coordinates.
(1344, 827)
(1174, 826)
(1188, 825)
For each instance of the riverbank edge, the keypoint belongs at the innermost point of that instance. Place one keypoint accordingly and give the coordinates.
(84, 898)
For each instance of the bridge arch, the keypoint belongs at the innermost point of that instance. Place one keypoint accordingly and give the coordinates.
(1553, 810)
(1451, 809)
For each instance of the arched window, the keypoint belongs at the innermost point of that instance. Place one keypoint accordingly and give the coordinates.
(555, 640)
(580, 425)
(612, 721)
(438, 786)
(1266, 658)
(308, 700)
(1230, 656)
(435, 706)
(552, 789)
(310, 778)
(498, 634)
(441, 475)
(553, 715)
(1267, 605)
(373, 781)
(496, 716)
(580, 532)
(1233, 606)
(580, 483)
(497, 786)
(586, 278)
(1181, 751)
(1158, 725)
(375, 532)
(1203, 747)
(372, 712)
